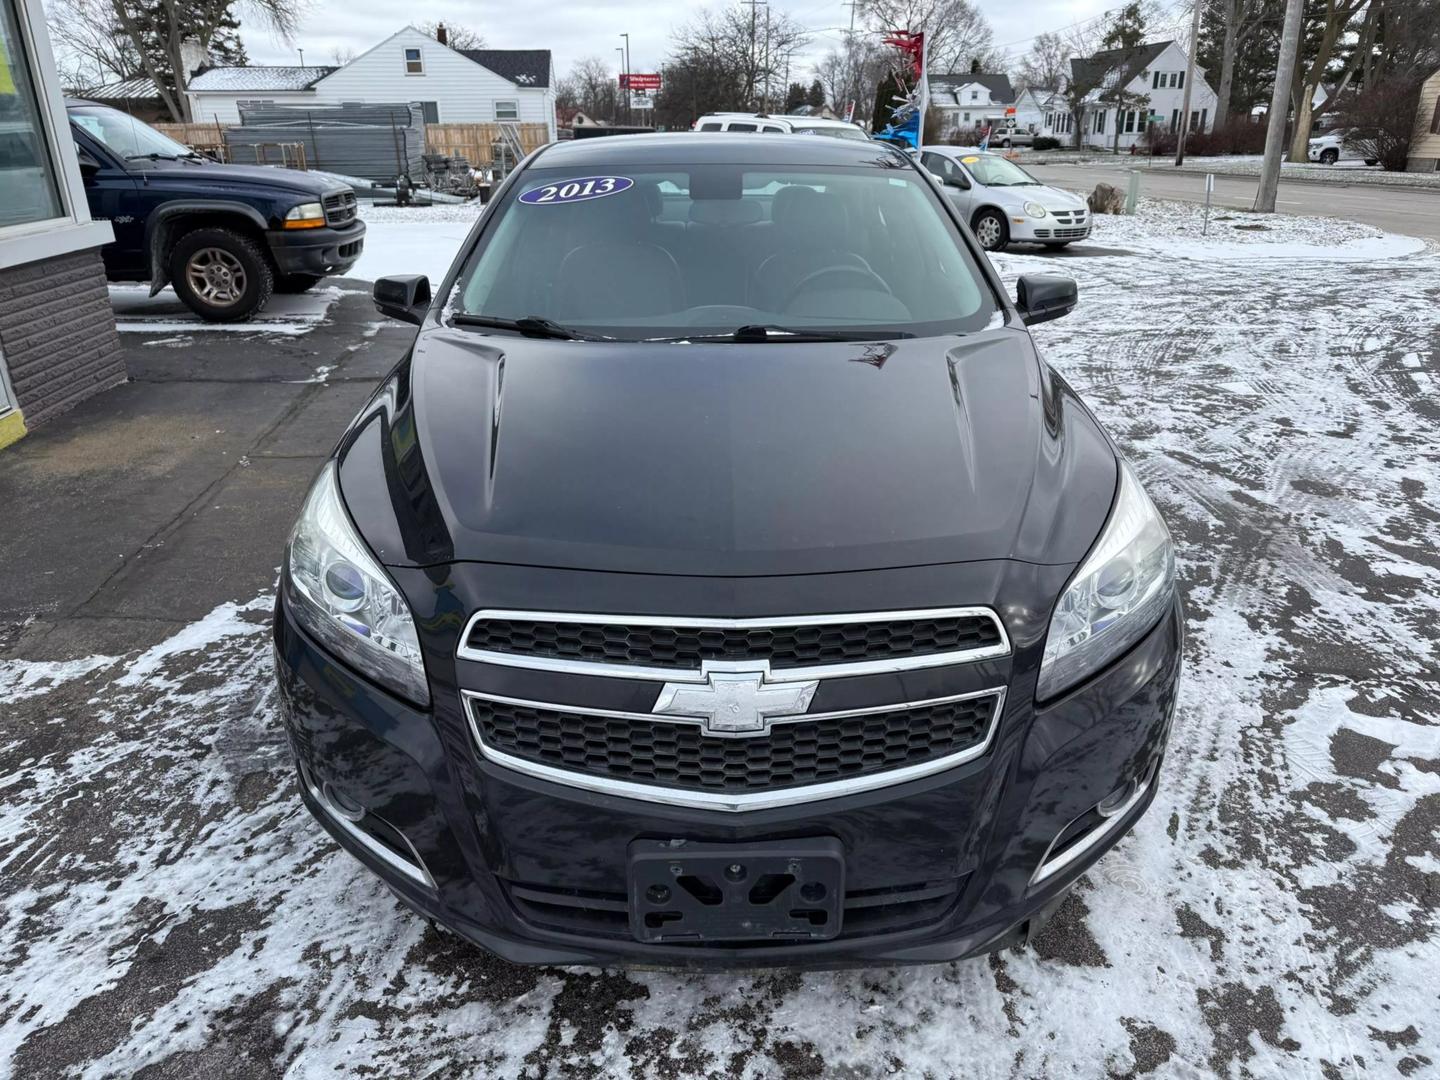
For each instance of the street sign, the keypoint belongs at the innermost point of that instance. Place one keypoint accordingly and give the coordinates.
(636, 81)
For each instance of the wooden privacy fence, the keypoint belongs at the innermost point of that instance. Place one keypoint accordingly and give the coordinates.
(475, 141)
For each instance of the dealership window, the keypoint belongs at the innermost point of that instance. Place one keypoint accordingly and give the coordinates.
(29, 187)
(414, 65)
(510, 110)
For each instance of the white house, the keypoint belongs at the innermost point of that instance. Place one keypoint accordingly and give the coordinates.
(1124, 88)
(971, 99)
(1032, 105)
(454, 86)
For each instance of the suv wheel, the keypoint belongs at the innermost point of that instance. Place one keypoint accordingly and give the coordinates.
(297, 283)
(991, 230)
(220, 274)
(1329, 156)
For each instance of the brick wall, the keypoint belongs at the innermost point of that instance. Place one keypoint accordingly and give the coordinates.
(58, 333)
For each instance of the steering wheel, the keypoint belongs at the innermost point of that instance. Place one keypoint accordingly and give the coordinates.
(861, 275)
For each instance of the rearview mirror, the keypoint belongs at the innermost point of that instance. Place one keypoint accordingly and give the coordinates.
(1042, 297)
(406, 298)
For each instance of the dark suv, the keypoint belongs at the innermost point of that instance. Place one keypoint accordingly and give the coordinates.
(226, 236)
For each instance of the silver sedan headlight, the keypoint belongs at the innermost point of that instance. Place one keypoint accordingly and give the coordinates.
(340, 594)
(1034, 209)
(1121, 590)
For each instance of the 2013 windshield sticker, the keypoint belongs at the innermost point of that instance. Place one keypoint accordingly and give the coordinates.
(578, 190)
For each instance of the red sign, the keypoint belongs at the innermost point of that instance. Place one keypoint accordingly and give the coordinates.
(1010, 111)
(635, 81)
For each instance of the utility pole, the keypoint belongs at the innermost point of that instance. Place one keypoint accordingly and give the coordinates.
(624, 88)
(1279, 106)
(752, 5)
(852, 74)
(1185, 101)
(629, 119)
(765, 98)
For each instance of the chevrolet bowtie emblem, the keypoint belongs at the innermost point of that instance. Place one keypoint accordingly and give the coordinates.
(735, 699)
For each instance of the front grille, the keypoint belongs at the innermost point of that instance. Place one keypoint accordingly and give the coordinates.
(687, 646)
(340, 208)
(678, 756)
(606, 914)
(1068, 217)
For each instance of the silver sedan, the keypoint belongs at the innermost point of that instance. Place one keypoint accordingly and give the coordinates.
(1002, 202)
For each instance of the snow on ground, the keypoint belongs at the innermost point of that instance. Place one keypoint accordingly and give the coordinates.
(168, 903)
(136, 311)
(413, 240)
(1342, 172)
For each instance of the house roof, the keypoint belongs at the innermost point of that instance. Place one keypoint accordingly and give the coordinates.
(125, 90)
(1001, 92)
(1124, 64)
(223, 79)
(523, 67)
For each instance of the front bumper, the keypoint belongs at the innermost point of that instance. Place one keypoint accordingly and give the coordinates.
(1047, 230)
(316, 251)
(499, 854)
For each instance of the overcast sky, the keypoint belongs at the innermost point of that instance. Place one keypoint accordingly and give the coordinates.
(575, 30)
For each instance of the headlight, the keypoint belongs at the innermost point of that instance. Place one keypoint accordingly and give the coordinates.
(1034, 209)
(309, 215)
(1120, 591)
(342, 596)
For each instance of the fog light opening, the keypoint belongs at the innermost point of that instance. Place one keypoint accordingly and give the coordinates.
(341, 804)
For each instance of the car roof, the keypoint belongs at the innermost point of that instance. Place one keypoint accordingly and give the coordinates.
(685, 148)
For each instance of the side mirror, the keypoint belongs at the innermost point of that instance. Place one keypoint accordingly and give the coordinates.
(88, 165)
(1042, 297)
(405, 298)
(962, 182)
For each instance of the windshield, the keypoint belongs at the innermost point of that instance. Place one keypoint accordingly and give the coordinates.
(995, 171)
(683, 251)
(838, 131)
(124, 135)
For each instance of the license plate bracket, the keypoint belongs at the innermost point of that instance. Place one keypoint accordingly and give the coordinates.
(778, 890)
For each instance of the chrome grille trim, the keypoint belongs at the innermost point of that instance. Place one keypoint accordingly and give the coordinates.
(733, 803)
(687, 674)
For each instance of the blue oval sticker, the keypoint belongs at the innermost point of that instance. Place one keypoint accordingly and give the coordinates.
(578, 190)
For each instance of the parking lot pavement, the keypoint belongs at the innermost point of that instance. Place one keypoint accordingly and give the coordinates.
(167, 909)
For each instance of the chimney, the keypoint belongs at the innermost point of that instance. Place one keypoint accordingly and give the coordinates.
(192, 56)
(441, 36)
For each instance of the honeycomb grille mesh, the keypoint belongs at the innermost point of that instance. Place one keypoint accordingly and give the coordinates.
(678, 755)
(687, 646)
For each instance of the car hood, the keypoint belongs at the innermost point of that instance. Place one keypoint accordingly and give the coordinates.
(726, 459)
(211, 174)
(1048, 197)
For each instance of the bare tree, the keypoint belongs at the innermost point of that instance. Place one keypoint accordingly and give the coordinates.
(851, 74)
(1381, 119)
(157, 30)
(729, 44)
(958, 36)
(1336, 20)
(92, 49)
(456, 36)
(1046, 64)
(592, 87)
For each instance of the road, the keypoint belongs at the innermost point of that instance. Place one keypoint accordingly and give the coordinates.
(1401, 210)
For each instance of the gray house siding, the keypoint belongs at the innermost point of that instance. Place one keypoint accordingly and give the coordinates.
(57, 333)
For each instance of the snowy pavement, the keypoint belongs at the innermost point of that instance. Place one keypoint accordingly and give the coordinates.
(168, 905)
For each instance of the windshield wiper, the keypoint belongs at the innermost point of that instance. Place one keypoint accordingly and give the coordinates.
(756, 332)
(528, 325)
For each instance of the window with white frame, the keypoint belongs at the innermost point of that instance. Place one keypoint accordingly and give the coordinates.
(29, 186)
(1100, 122)
(507, 110)
(414, 62)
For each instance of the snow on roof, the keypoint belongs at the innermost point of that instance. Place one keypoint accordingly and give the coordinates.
(224, 79)
(125, 90)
